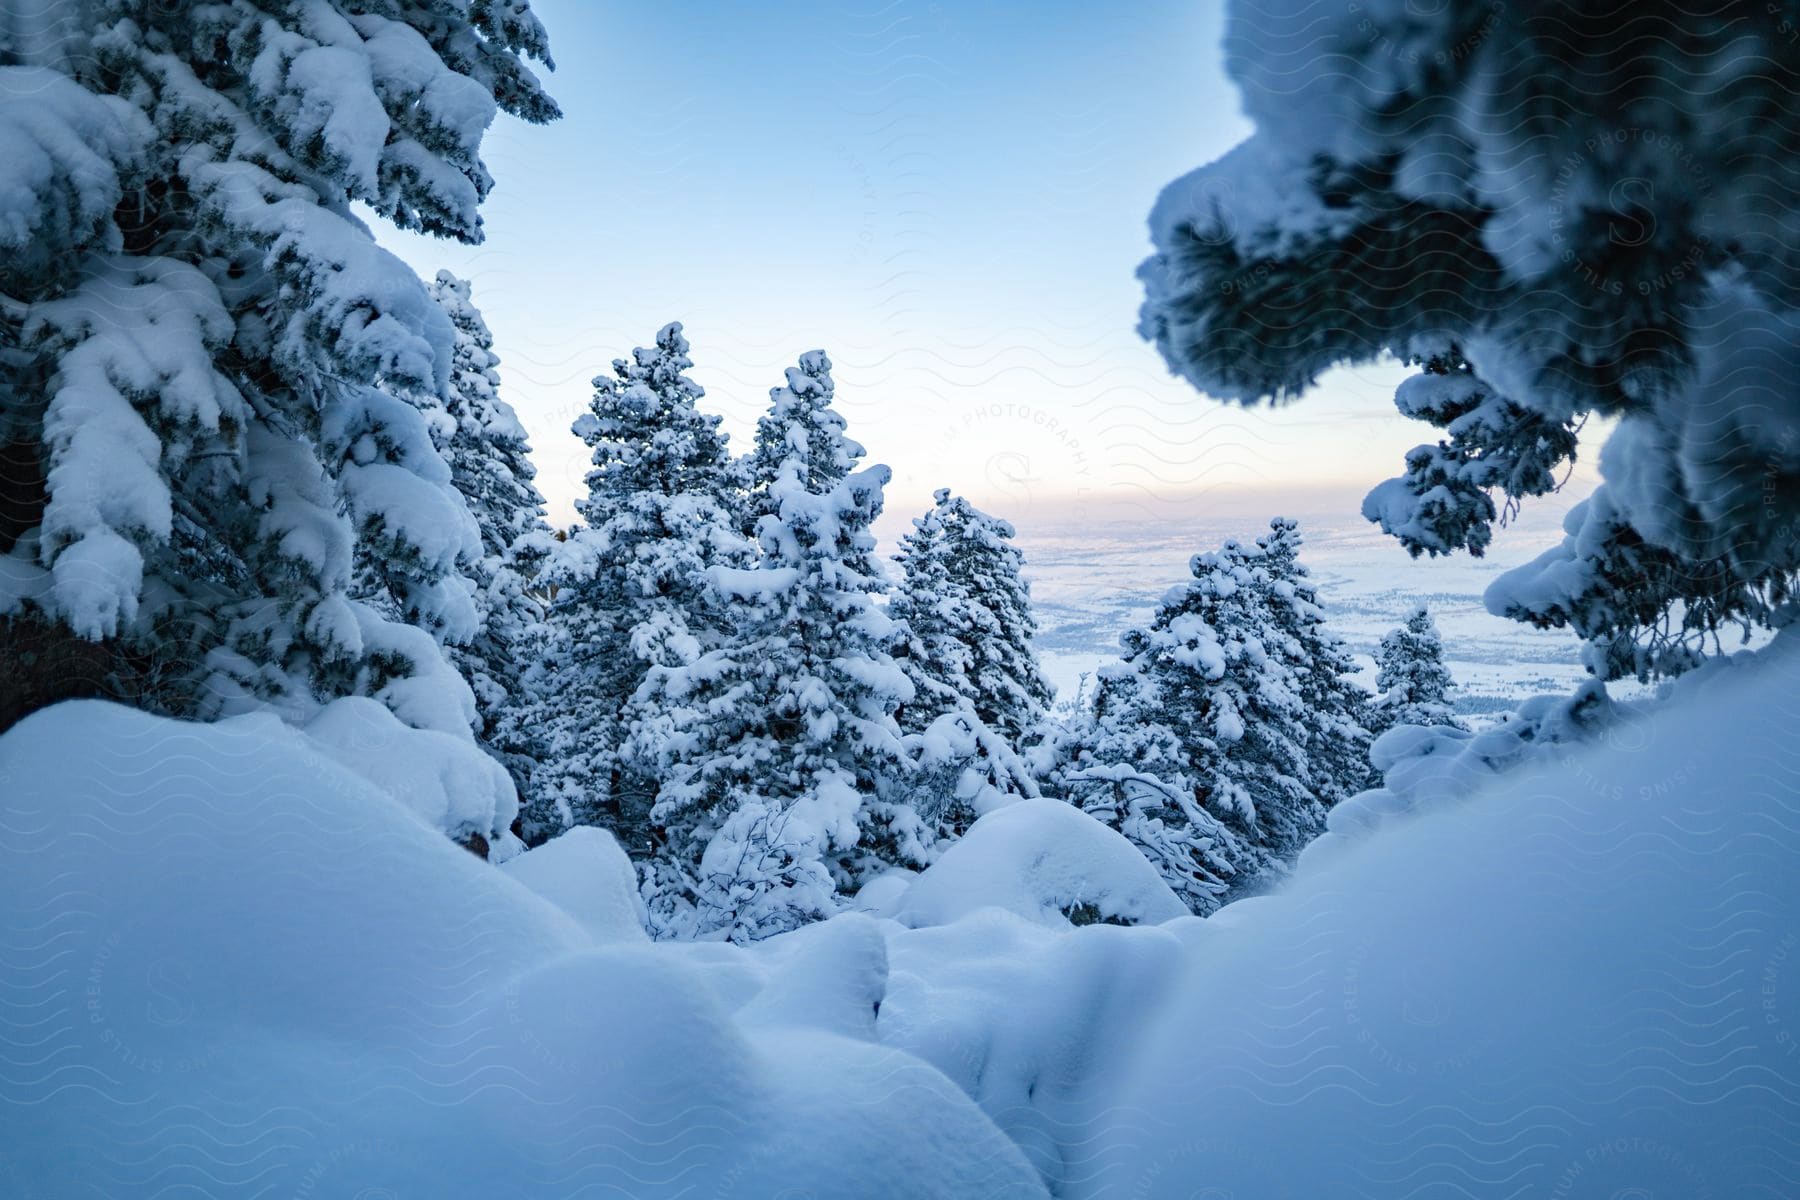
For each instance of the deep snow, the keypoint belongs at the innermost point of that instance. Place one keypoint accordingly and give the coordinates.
(231, 966)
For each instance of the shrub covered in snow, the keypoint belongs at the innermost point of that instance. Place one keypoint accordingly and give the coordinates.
(1045, 861)
(584, 872)
(442, 778)
(962, 771)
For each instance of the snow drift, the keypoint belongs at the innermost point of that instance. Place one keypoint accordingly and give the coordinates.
(1581, 980)
(231, 966)
(586, 874)
(234, 966)
(1042, 860)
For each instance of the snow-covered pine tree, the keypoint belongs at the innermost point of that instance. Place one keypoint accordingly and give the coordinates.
(632, 590)
(966, 622)
(490, 465)
(1644, 611)
(925, 610)
(964, 770)
(1338, 719)
(1229, 688)
(1413, 681)
(1121, 764)
(783, 772)
(1200, 747)
(801, 422)
(1631, 257)
(216, 383)
(1444, 501)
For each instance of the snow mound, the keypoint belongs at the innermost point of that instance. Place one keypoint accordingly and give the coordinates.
(584, 872)
(232, 967)
(830, 976)
(883, 895)
(1028, 1019)
(1582, 981)
(236, 967)
(1043, 860)
(444, 780)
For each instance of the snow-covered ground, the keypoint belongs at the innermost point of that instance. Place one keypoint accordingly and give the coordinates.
(233, 968)
(230, 965)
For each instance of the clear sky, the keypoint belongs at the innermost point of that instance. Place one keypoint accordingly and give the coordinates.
(949, 197)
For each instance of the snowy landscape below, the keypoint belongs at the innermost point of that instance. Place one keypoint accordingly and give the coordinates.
(1097, 576)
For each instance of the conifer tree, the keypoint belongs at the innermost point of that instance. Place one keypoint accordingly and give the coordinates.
(490, 465)
(1337, 725)
(1444, 501)
(966, 622)
(1367, 217)
(1121, 764)
(1227, 731)
(220, 389)
(633, 594)
(1227, 681)
(801, 428)
(1413, 681)
(784, 778)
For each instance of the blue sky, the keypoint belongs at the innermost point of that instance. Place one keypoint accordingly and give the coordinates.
(948, 197)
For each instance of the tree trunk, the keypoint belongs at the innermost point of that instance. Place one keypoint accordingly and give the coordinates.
(41, 664)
